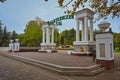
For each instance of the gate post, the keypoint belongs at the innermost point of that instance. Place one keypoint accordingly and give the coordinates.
(104, 47)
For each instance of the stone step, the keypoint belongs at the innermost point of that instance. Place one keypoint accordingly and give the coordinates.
(94, 72)
(90, 70)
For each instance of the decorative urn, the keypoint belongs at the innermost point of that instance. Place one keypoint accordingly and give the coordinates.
(16, 40)
(104, 26)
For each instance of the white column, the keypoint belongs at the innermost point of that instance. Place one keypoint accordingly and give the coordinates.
(47, 35)
(53, 35)
(77, 30)
(91, 29)
(83, 30)
(86, 28)
(107, 50)
(43, 35)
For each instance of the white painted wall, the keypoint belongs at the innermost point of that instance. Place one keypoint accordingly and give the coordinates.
(107, 39)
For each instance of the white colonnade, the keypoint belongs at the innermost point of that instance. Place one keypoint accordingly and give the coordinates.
(46, 34)
(84, 22)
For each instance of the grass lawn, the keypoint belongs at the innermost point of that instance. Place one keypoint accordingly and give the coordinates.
(117, 50)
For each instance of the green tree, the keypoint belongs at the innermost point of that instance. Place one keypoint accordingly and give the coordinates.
(64, 37)
(32, 34)
(56, 36)
(5, 38)
(21, 39)
(1, 33)
(14, 35)
(67, 37)
(72, 34)
(118, 40)
(2, 1)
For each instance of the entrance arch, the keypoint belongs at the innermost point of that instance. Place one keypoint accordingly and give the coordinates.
(84, 16)
(51, 25)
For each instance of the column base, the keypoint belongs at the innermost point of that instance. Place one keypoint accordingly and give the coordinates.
(46, 46)
(108, 64)
(10, 50)
(83, 47)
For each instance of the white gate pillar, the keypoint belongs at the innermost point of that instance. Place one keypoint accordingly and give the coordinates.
(91, 29)
(52, 35)
(47, 35)
(77, 30)
(86, 27)
(104, 46)
(43, 35)
(82, 30)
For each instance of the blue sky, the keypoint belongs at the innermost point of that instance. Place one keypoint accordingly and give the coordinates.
(15, 14)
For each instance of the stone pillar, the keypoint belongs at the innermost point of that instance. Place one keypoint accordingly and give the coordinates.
(43, 35)
(91, 29)
(83, 30)
(17, 45)
(104, 50)
(47, 35)
(53, 35)
(77, 30)
(86, 28)
(11, 48)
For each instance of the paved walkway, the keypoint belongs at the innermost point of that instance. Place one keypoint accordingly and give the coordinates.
(11, 69)
(61, 58)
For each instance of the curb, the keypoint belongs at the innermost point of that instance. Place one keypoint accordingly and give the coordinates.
(63, 70)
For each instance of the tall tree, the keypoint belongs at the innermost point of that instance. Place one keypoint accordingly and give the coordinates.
(2, 0)
(72, 33)
(116, 40)
(5, 38)
(103, 7)
(56, 36)
(32, 34)
(67, 37)
(14, 35)
(1, 33)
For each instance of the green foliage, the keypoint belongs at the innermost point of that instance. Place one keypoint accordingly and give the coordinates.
(2, 1)
(67, 37)
(32, 34)
(14, 35)
(65, 47)
(116, 41)
(1, 33)
(4, 36)
(56, 36)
